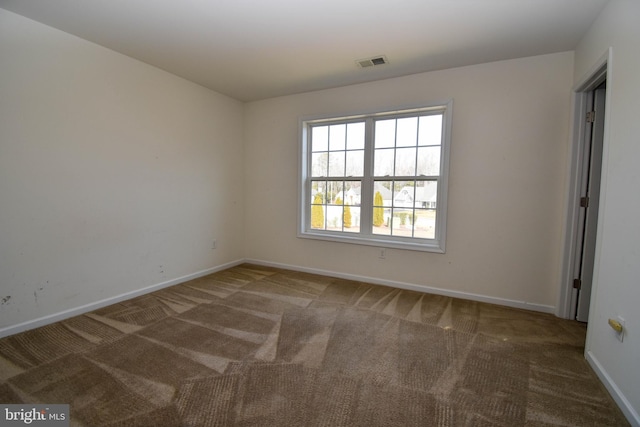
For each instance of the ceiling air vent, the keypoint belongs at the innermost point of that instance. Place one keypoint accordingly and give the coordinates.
(371, 62)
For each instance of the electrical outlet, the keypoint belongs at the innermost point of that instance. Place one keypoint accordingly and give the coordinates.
(382, 253)
(214, 244)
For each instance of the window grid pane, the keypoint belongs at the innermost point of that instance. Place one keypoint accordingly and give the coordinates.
(385, 132)
(320, 138)
(355, 136)
(407, 132)
(428, 161)
(430, 130)
(337, 137)
(336, 163)
(355, 163)
(319, 164)
(405, 162)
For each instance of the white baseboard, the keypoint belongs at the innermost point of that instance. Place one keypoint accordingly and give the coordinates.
(413, 287)
(612, 388)
(56, 317)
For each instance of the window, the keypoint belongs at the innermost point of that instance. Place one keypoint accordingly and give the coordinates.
(377, 179)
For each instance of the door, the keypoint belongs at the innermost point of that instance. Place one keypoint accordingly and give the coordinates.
(589, 200)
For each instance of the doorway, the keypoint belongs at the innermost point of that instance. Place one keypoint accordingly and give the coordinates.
(589, 200)
(585, 171)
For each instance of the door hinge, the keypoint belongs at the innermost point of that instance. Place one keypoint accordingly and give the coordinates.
(584, 202)
(591, 116)
(577, 284)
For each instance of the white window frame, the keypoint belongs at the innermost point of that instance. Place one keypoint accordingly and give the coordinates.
(365, 236)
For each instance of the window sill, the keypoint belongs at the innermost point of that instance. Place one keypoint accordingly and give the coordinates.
(377, 241)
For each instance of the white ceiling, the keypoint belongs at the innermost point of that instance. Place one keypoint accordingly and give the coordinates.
(256, 49)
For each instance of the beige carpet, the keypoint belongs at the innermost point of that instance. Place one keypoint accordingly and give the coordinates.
(256, 346)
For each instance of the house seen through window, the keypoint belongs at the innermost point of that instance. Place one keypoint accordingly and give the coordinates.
(377, 179)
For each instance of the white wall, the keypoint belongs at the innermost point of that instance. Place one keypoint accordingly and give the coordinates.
(114, 175)
(506, 195)
(617, 270)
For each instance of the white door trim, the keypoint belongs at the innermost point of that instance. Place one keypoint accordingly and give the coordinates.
(600, 71)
